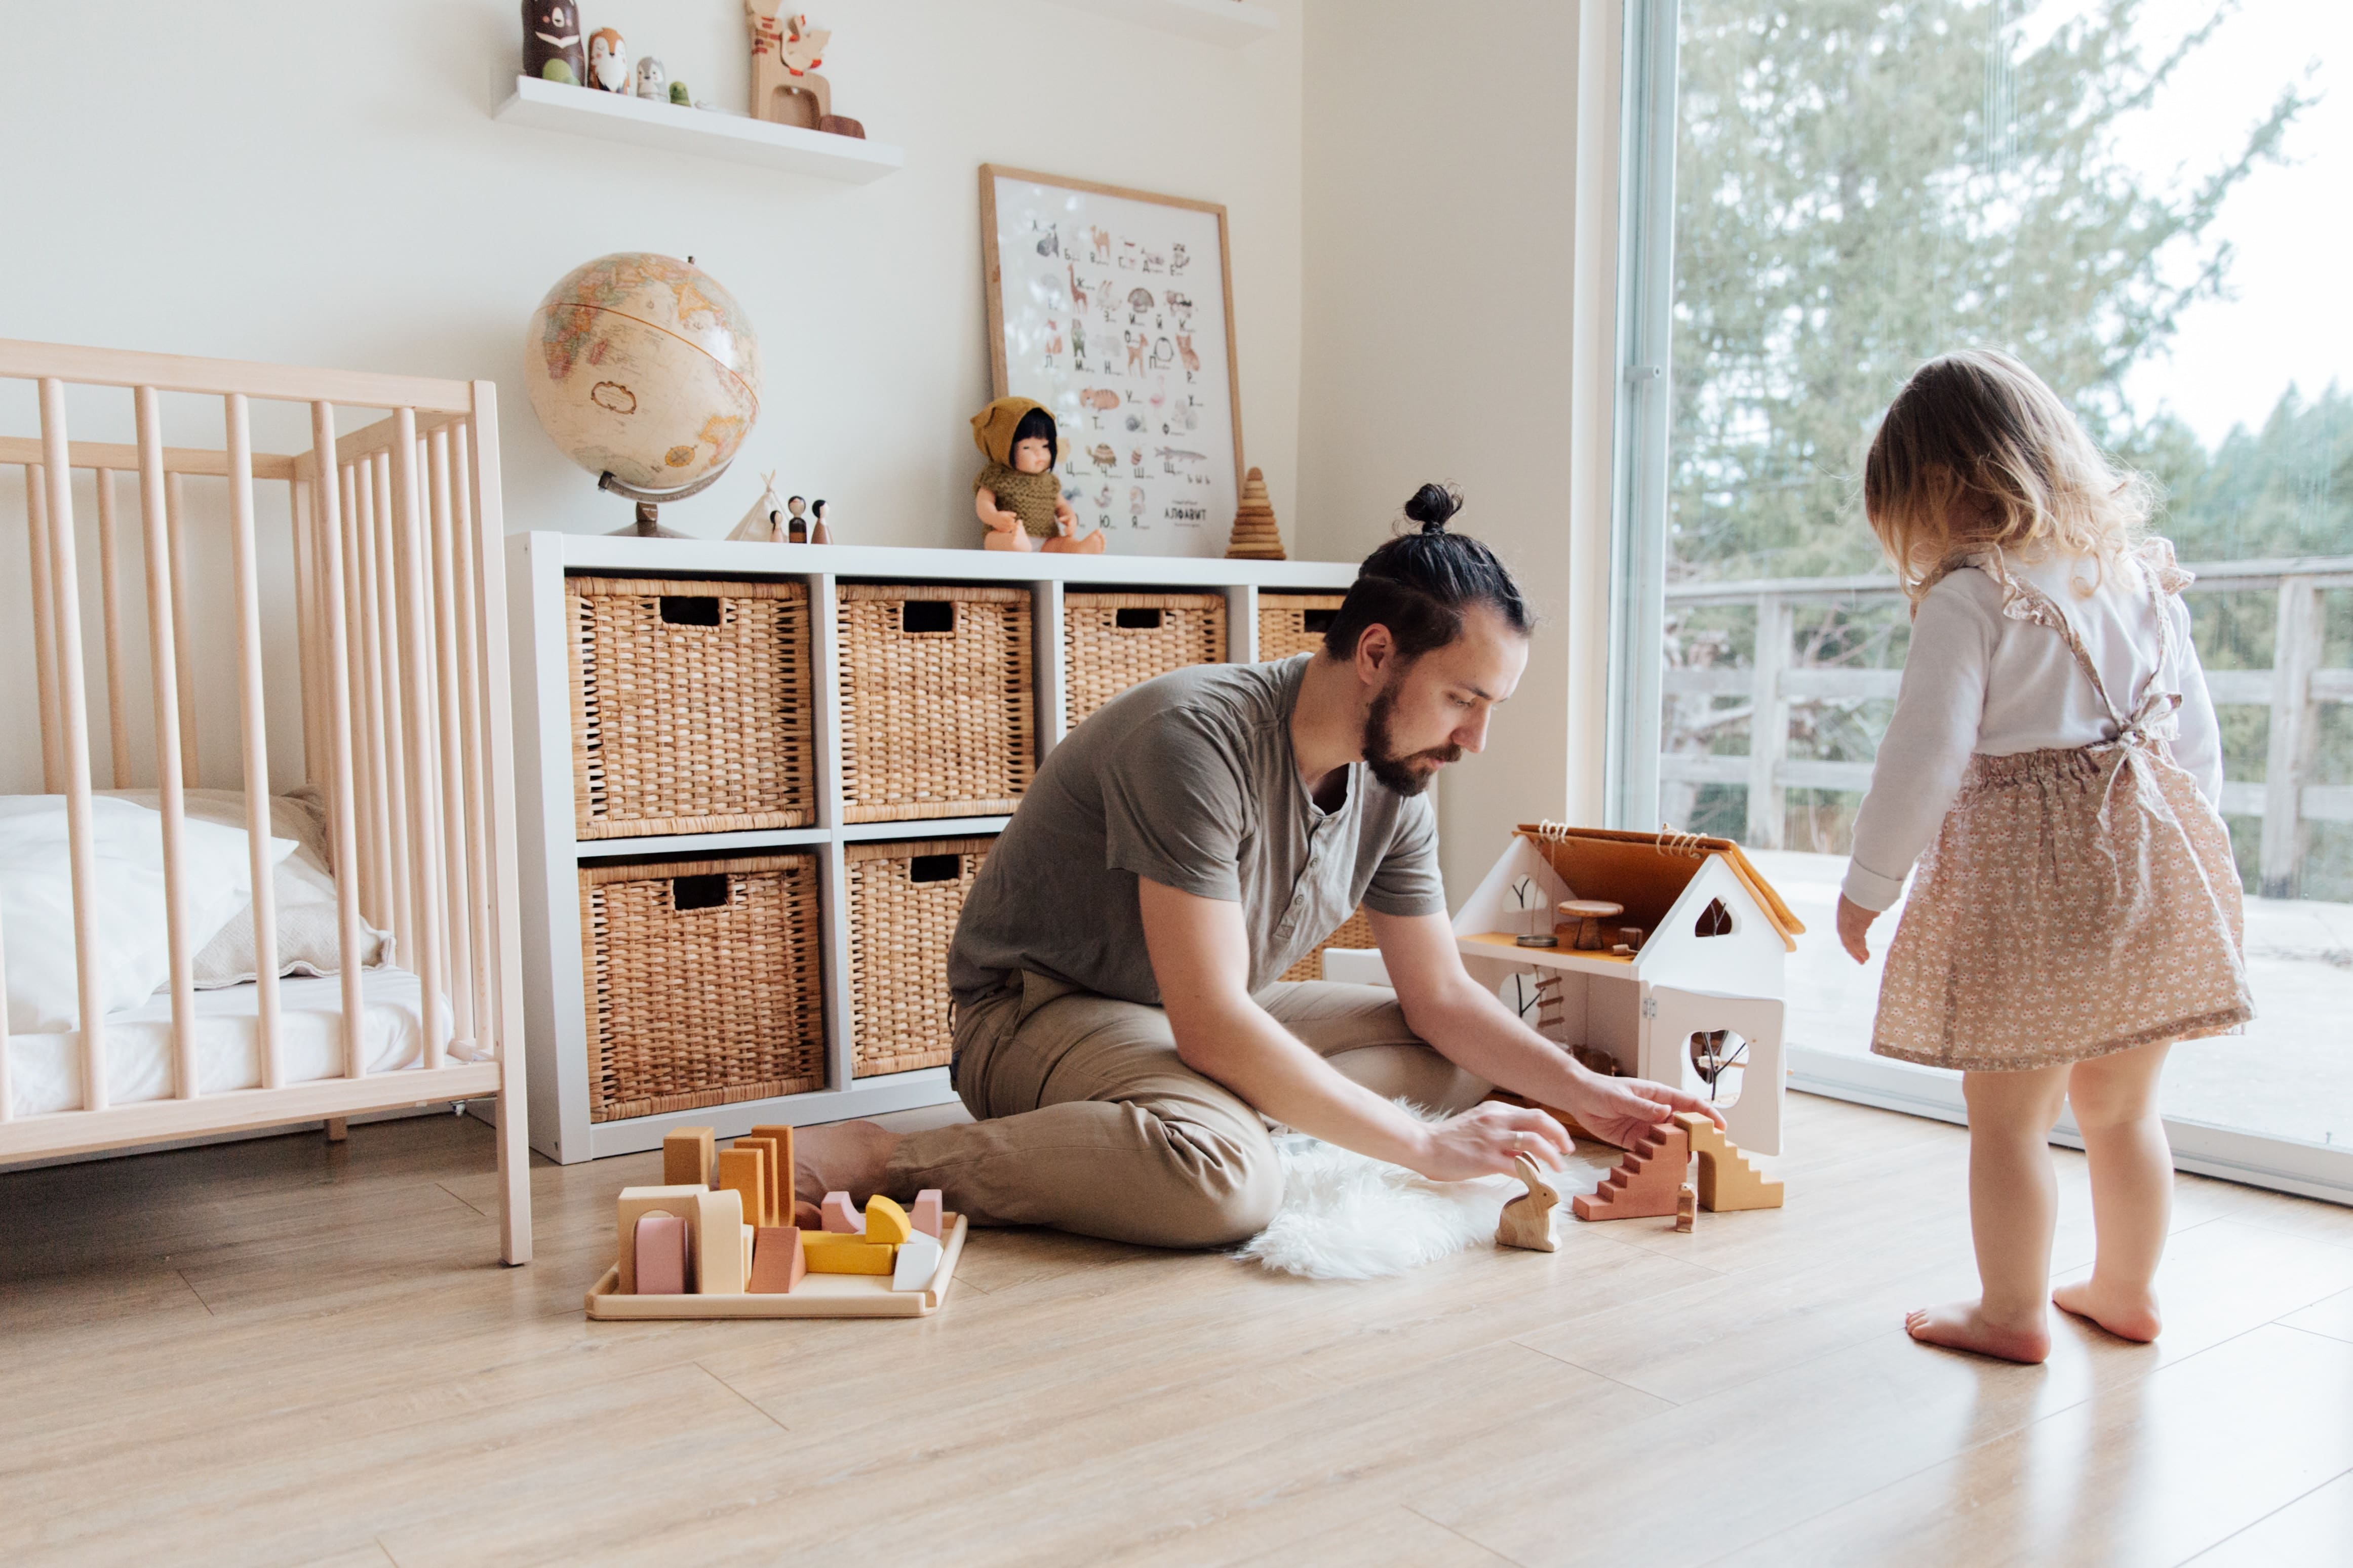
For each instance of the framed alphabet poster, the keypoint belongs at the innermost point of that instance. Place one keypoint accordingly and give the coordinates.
(1114, 309)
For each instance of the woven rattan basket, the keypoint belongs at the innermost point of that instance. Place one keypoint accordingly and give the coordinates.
(1112, 641)
(904, 900)
(936, 714)
(691, 707)
(704, 982)
(1356, 931)
(1293, 622)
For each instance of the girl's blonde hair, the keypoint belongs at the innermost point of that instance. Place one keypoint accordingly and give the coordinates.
(1976, 452)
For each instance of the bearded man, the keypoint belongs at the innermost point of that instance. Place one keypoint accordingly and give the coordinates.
(1120, 1037)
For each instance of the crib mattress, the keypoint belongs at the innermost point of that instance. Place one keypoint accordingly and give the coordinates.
(45, 1070)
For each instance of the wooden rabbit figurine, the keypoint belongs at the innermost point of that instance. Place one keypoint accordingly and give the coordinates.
(1527, 1219)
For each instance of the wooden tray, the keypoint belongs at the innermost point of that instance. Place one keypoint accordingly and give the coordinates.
(816, 1295)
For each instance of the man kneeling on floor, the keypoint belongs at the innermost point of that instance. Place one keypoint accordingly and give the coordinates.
(1120, 1033)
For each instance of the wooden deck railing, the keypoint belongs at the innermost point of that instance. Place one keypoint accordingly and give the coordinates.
(2292, 688)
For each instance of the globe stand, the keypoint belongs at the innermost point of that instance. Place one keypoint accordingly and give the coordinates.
(650, 502)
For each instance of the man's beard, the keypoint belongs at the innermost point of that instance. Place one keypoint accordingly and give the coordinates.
(1398, 773)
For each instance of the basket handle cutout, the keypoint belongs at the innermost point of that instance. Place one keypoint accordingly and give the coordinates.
(919, 616)
(1136, 620)
(935, 869)
(1316, 621)
(709, 891)
(690, 609)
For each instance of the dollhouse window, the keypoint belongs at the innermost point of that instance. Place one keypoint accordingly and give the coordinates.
(1714, 921)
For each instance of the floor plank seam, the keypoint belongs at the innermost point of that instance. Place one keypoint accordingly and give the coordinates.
(199, 1295)
(739, 1395)
(1596, 1371)
(1458, 1535)
(2212, 1547)
(477, 1212)
(2299, 1328)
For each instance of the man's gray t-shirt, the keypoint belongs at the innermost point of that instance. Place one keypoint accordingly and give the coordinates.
(1188, 780)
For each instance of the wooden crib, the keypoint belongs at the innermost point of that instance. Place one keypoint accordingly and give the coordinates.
(399, 618)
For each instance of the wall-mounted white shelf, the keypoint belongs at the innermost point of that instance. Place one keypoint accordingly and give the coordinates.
(1228, 22)
(700, 132)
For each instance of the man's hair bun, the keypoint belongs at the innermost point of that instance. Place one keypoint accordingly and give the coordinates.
(1431, 505)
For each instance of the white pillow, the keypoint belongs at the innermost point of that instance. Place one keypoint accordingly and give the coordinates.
(36, 913)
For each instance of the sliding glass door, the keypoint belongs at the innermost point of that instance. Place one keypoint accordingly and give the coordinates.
(2144, 202)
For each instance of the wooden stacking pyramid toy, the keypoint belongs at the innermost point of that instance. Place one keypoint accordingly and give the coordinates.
(1255, 536)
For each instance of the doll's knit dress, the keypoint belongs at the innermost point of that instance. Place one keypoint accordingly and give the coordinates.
(1029, 496)
(2078, 900)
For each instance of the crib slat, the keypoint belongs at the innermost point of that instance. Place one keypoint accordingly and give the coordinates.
(450, 680)
(45, 641)
(7, 1082)
(164, 681)
(118, 712)
(396, 738)
(238, 417)
(65, 618)
(306, 624)
(176, 511)
(416, 692)
(478, 978)
(342, 827)
(362, 698)
(428, 659)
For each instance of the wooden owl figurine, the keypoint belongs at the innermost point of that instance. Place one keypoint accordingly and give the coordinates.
(551, 42)
(608, 60)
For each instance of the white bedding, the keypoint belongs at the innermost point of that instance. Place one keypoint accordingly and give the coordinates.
(46, 1069)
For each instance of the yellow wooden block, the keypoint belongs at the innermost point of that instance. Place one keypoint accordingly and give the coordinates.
(830, 1252)
(719, 1267)
(886, 1222)
(687, 1157)
(636, 1201)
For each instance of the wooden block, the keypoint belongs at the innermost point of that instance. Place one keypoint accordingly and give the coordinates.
(635, 1202)
(781, 1168)
(660, 1250)
(1526, 1220)
(1643, 1186)
(745, 1171)
(687, 1157)
(776, 1262)
(1686, 1209)
(918, 1261)
(886, 1222)
(1727, 1180)
(841, 1219)
(834, 1252)
(751, 1234)
(925, 1215)
(719, 1244)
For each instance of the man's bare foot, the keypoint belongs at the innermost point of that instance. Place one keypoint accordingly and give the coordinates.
(1963, 1326)
(845, 1157)
(2127, 1315)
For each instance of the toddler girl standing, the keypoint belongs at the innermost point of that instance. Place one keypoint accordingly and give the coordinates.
(2078, 909)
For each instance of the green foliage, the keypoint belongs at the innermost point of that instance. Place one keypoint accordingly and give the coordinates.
(1860, 184)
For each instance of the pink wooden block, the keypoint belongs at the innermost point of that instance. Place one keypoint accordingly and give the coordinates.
(661, 1255)
(841, 1218)
(926, 1212)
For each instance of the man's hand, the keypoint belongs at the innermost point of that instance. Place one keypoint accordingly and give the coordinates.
(1853, 925)
(1622, 1109)
(1483, 1140)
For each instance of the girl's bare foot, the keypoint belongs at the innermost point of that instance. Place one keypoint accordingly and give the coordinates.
(2128, 1315)
(1964, 1326)
(845, 1157)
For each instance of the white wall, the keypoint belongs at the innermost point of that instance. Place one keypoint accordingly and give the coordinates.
(1439, 188)
(324, 185)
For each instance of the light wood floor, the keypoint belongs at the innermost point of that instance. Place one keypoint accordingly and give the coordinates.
(291, 1352)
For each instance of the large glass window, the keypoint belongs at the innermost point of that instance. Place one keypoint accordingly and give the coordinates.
(2147, 203)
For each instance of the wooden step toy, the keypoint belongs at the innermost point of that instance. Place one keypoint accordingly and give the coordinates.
(776, 1262)
(1727, 1180)
(687, 1156)
(925, 1215)
(841, 1219)
(1526, 1220)
(1643, 1186)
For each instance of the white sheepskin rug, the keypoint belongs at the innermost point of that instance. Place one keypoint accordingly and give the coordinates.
(1347, 1216)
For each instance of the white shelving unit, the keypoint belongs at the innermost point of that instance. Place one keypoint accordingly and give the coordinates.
(702, 132)
(542, 657)
(1231, 22)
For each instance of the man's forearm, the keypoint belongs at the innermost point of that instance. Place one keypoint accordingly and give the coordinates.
(1242, 1047)
(1470, 1026)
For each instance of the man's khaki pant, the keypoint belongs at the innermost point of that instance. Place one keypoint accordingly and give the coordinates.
(1089, 1122)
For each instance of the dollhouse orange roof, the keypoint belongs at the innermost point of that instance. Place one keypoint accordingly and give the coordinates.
(1647, 872)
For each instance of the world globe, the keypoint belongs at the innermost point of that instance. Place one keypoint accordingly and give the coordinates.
(641, 367)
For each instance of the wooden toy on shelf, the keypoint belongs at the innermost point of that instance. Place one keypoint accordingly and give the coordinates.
(836, 1252)
(743, 1170)
(786, 53)
(841, 1219)
(608, 60)
(660, 1244)
(1643, 1186)
(925, 1214)
(1526, 1220)
(690, 1156)
(1589, 914)
(635, 1203)
(1686, 1208)
(776, 1262)
(886, 1222)
(918, 1261)
(551, 42)
(1727, 1180)
(719, 1261)
(1255, 536)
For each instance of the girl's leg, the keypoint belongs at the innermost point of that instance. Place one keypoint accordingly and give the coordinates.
(2013, 1204)
(2132, 1189)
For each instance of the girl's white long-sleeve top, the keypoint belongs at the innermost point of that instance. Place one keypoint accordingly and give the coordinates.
(1979, 681)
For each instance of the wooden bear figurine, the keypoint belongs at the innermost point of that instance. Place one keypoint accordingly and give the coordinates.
(1527, 1219)
(551, 42)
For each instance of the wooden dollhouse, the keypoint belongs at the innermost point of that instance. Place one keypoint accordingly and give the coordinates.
(1686, 984)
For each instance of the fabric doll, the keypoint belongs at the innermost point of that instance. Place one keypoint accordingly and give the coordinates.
(1016, 496)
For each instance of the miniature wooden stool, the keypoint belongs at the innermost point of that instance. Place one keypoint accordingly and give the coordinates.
(1526, 1220)
(1589, 914)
